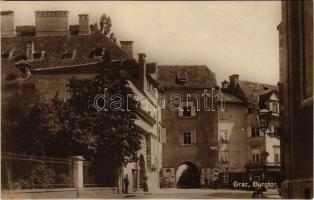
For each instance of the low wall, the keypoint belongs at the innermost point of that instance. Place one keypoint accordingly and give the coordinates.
(60, 193)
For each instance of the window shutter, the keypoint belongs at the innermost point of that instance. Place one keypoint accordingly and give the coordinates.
(193, 111)
(272, 129)
(181, 138)
(163, 135)
(249, 131)
(193, 137)
(180, 111)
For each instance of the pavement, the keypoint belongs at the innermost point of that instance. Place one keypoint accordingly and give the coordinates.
(174, 193)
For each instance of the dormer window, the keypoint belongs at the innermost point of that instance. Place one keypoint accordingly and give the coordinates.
(69, 54)
(7, 55)
(182, 76)
(97, 52)
(225, 85)
(274, 107)
(38, 55)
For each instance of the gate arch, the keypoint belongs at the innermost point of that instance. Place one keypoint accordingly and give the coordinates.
(189, 176)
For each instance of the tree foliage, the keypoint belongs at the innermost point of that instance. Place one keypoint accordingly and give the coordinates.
(105, 24)
(75, 127)
(110, 135)
(28, 125)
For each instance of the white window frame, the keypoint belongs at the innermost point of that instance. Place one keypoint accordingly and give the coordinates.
(256, 154)
(10, 55)
(224, 136)
(193, 137)
(42, 55)
(274, 107)
(225, 177)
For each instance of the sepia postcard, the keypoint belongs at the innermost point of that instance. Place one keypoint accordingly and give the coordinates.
(157, 99)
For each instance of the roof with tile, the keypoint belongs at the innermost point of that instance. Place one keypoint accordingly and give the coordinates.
(55, 47)
(252, 90)
(230, 98)
(198, 76)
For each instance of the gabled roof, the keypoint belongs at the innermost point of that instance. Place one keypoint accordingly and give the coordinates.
(252, 90)
(198, 76)
(230, 98)
(55, 46)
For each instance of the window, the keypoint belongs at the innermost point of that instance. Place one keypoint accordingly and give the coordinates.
(97, 52)
(276, 154)
(255, 132)
(255, 155)
(277, 158)
(38, 55)
(5, 56)
(187, 110)
(188, 137)
(276, 130)
(251, 110)
(182, 76)
(225, 177)
(69, 54)
(223, 115)
(224, 136)
(275, 107)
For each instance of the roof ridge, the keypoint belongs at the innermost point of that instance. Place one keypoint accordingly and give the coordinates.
(258, 83)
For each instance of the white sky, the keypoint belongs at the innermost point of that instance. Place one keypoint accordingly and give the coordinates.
(229, 37)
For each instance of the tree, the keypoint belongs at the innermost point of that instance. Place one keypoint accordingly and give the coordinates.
(28, 125)
(110, 138)
(105, 24)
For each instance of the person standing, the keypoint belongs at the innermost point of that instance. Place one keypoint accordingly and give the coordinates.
(126, 184)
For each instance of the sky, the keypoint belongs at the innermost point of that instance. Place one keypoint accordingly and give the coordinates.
(229, 37)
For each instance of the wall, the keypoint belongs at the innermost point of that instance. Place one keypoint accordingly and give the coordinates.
(235, 125)
(205, 124)
(271, 143)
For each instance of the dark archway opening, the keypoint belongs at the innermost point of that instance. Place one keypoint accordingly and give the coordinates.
(188, 176)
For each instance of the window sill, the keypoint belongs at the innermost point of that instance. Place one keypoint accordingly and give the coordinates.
(186, 117)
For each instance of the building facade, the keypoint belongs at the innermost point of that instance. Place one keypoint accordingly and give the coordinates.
(232, 140)
(190, 137)
(257, 148)
(46, 63)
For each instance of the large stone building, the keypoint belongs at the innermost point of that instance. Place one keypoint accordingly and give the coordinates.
(46, 62)
(190, 136)
(251, 150)
(296, 92)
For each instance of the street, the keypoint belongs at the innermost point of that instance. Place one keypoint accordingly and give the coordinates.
(174, 193)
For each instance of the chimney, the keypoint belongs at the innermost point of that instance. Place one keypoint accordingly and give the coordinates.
(7, 24)
(51, 23)
(83, 24)
(225, 86)
(142, 82)
(234, 80)
(127, 47)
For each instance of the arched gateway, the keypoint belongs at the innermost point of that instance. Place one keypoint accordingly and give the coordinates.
(187, 175)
